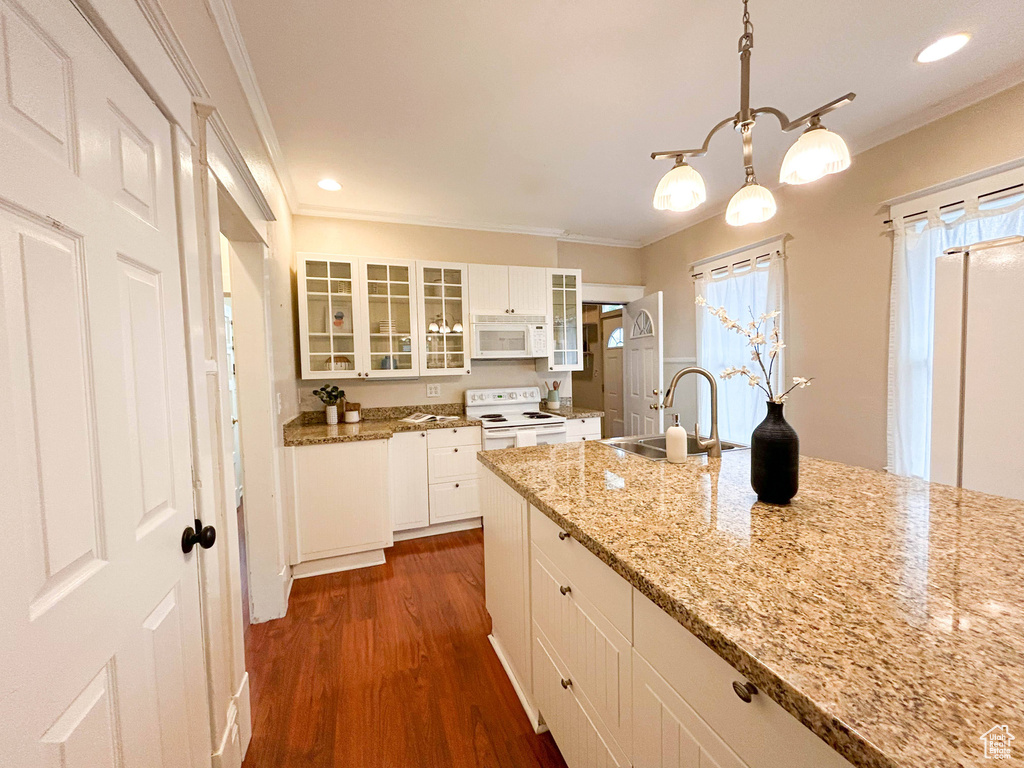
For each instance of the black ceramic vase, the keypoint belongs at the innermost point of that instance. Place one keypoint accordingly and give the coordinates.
(774, 458)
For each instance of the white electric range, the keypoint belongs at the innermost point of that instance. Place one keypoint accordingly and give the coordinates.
(512, 417)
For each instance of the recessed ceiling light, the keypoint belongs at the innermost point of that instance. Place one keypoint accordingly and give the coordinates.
(943, 47)
(329, 184)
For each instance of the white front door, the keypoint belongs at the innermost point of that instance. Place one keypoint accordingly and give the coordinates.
(643, 369)
(614, 424)
(101, 655)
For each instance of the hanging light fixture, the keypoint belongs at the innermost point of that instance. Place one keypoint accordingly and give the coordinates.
(818, 152)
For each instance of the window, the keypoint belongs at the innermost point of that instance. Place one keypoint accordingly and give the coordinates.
(610, 307)
(615, 338)
(978, 210)
(747, 282)
(642, 326)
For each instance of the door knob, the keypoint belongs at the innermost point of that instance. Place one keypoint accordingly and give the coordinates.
(204, 536)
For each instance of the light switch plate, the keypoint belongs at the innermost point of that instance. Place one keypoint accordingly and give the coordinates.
(433, 390)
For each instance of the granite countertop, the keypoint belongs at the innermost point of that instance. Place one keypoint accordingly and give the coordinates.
(571, 413)
(302, 431)
(885, 613)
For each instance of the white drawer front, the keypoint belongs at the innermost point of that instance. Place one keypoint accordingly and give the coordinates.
(454, 501)
(441, 438)
(668, 733)
(567, 715)
(608, 591)
(589, 428)
(762, 733)
(596, 654)
(453, 463)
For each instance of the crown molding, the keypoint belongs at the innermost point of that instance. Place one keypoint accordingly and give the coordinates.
(172, 46)
(231, 34)
(433, 221)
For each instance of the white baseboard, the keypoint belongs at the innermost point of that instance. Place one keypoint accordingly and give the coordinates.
(338, 563)
(244, 707)
(439, 528)
(229, 750)
(539, 726)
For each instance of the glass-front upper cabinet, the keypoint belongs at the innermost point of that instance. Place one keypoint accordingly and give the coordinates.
(565, 351)
(444, 319)
(392, 319)
(330, 316)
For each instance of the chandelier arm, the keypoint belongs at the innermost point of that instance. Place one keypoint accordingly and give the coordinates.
(684, 153)
(791, 125)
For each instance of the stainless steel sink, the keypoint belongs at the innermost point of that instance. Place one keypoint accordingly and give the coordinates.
(653, 446)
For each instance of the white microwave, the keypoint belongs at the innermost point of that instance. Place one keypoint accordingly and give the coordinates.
(498, 338)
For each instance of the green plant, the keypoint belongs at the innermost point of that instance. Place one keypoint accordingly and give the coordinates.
(329, 395)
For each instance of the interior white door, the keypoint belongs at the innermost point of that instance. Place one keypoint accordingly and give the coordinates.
(614, 423)
(643, 367)
(101, 652)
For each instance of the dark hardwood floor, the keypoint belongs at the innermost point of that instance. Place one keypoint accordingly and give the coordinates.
(389, 667)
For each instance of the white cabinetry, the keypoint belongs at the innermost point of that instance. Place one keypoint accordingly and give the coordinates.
(444, 318)
(583, 429)
(502, 290)
(506, 583)
(409, 499)
(357, 317)
(564, 310)
(341, 499)
(453, 474)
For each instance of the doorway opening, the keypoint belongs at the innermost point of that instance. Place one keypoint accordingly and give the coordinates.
(599, 385)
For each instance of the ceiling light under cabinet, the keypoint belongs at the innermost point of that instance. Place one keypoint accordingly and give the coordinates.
(752, 204)
(329, 185)
(681, 189)
(818, 152)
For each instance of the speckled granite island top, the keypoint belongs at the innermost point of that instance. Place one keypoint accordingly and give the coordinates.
(886, 614)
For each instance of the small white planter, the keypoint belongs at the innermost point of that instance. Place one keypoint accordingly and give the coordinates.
(332, 414)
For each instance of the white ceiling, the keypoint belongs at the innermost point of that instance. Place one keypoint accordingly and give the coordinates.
(542, 113)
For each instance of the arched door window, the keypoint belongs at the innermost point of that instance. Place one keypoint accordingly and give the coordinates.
(642, 326)
(615, 338)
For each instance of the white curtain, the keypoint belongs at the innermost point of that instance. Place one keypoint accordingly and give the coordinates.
(916, 245)
(742, 290)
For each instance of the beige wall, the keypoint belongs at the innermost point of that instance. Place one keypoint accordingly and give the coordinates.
(588, 386)
(317, 234)
(839, 258)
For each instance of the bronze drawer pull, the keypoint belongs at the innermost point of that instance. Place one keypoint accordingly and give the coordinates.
(565, 590)
(566, 683)
(563, 535)
(745, 691)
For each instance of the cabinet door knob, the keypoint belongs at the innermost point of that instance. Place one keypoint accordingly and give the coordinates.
(456, 485)
(745, 691)
(563, 535)
(513, 311)
(566, 682)
(456, 450)
(565, 590)
(423, 434)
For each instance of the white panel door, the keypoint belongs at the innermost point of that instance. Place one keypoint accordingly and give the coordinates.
(643, 369)
(993, 406)
(488, 289)
(614, 424)
(407, 457)
(101, 652)
(528, 292)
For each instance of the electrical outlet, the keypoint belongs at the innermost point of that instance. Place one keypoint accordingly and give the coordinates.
(433, 390)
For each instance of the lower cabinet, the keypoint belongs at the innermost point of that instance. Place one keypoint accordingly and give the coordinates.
(409, 499)
(568, 713)
(668, 733)
(452, 474)
(341, 499)
(583, 429)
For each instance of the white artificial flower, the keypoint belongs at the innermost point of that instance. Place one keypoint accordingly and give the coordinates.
(753, 380)
(801, 381)
(758, 339)
(729, 372)
(701, 301)
(775, 333)
(721, 313)
(777, 348)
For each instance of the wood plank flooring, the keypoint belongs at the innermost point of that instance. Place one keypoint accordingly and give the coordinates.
(389, 667)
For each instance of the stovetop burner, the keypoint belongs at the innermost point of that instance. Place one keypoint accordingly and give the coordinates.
(493, 419)
(491, 416)
(535, 415)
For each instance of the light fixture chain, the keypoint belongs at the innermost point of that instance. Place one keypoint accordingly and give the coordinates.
(747, 40)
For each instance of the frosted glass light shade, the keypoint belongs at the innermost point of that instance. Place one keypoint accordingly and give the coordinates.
(681, 189)
(751, 205)
(818, 152)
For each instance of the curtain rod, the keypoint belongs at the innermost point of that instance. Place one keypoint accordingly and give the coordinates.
(960, 202)
(984, 245)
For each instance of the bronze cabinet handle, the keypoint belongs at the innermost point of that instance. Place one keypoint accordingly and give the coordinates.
(745, 691)
(563, 535)
(566, 683)
(565, 590)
